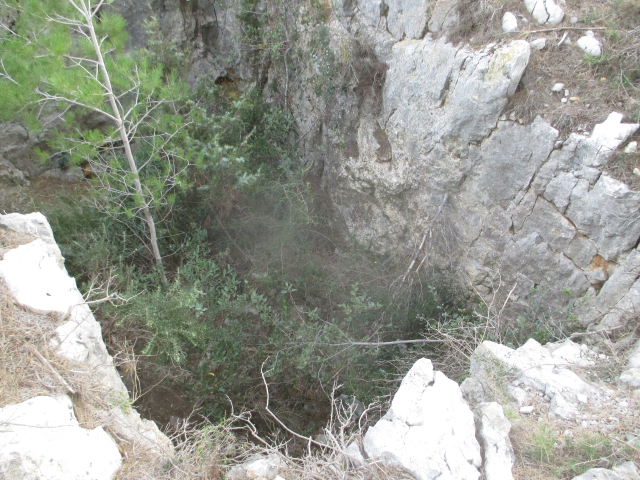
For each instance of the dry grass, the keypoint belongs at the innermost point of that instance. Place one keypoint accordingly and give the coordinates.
(29, 367)
(597, 86)
(562, 450)
(547, 449)
(22, 375)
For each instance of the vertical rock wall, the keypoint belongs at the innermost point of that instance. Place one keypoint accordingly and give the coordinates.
(421, 121)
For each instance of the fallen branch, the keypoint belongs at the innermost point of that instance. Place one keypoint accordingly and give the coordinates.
(529, 32)
(297, 435)
(46, 363)
(381, 344)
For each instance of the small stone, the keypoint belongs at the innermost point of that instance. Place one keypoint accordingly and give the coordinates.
(636, 171)
(566, 93)
(355, 458)
(590, 44)
(557, 87)
(509, 23)
(527, 410)
(631, 148)
(564, 100)
(573, 20)
(582, 398)
(545, 13)
(538, 44)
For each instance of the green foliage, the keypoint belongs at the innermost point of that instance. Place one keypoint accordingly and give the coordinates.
(255, 267)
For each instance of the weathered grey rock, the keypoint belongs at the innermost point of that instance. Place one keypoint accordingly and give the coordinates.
(509, 23)
(560, 408)
(444, 17)
(533, 366)
(550, 224)
(612, 292)
(210, 31)
(625, 310)
(632, 374)
(10, 174)
(590, 44)
(429, 429)
(538, 43)
(493, 430)
(42, 439)
(355, 458)
(608, 214)
(16, 146)
(259, 467)
(407, 18)
(626, 471)
(73, 174)
(545, 12)
(559, 190)
(581, 251)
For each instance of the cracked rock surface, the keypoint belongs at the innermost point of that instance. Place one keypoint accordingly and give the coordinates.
(429, 429)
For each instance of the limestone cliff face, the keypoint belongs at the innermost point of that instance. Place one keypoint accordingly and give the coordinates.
(420, 122)
(394, 119)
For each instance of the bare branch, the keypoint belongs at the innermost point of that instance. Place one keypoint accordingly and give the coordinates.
(424, 237)
(46, 363)
(382, 344)
(49, 97)
(6, 75)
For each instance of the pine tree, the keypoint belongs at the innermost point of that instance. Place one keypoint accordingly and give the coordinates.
(62, 59)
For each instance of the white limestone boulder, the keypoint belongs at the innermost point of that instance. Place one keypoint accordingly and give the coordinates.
(42, 439)
(545, 12)
(607, 136)
(493, 431)
(37, 280)
(625, 471)
(590, 44)
(496, 368)
(509, 23)
(429, 429)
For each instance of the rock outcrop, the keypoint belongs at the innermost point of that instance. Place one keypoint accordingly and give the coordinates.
(626, 471)
(541, 379)
(524, 207)
(42, 439)
(37, 280)
(429, 429)
(493, 431)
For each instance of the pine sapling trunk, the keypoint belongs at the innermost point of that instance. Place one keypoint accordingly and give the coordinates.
(148, 218)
